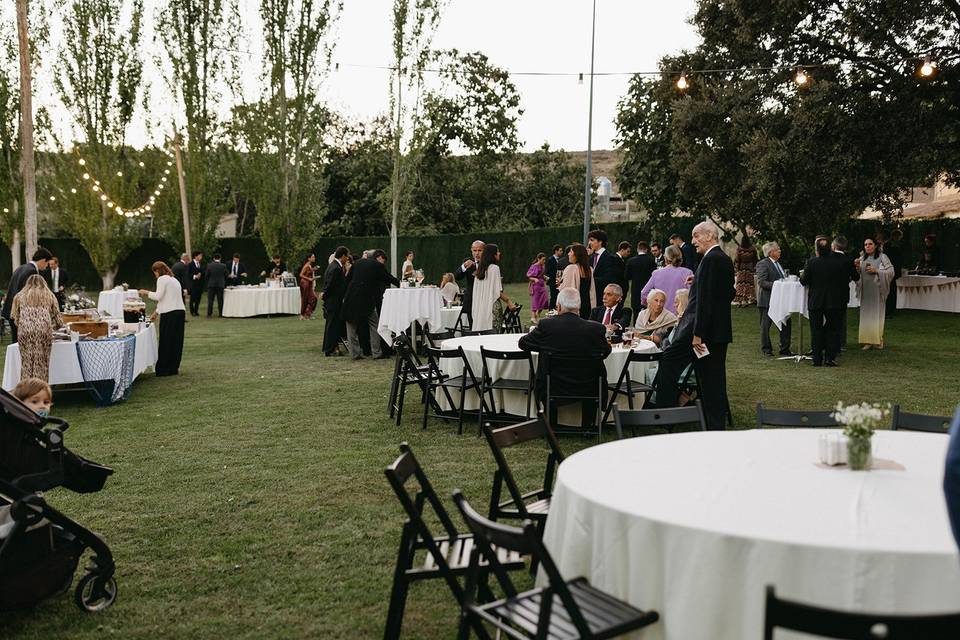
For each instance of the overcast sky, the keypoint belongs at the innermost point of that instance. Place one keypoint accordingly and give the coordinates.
(519, 35)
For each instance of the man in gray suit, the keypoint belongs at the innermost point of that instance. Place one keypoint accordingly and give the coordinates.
(216, 277)
(768, 272)
(19, 278)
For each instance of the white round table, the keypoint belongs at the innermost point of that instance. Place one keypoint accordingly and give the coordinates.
(249, 301)
(448, 316)
(695, 525)
(402, 307)
(786, 297)
(515, 402)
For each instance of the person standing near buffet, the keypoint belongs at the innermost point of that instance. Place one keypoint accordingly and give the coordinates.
(36, 314)
(17, 281)
(172, 318)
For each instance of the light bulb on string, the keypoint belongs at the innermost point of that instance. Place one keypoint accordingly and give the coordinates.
(81, 162)
(166, 172)
(928, 68)
(53, 198)
(110, 205)
(72, 190)
(119, 174)
(682, 83)
(86, 176)
(5, 210)
(801, 78)
(103, 196)
(141, 164)
(96, 187)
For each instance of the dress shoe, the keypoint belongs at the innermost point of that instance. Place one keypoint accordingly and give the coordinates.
(768, 354)
(831, 363)
(787, 353)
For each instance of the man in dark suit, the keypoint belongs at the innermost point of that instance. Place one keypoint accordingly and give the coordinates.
(19, 278)
(334, 288)
(621, 256)
(57, 279)
(839, 249)
(236, 272)
(704, 331)
(690, 257)
(216, 277)
(567, 335)
(195, 273)
(612, 312)
(274, 268)
(182, 274)
(768, 272)
(465, 273)
(550, 272)
(365, 286)
(822, 275)
(602, 261)
(637, 273)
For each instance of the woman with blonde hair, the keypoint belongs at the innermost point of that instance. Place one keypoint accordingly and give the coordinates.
(172, 318)
(36, 314)
(448, 288)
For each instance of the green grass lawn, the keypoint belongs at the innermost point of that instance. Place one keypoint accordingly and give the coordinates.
(249, 499)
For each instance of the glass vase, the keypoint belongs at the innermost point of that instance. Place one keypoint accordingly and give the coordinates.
(858, 453)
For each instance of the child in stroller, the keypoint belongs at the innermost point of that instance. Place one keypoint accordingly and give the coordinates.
(39, 546)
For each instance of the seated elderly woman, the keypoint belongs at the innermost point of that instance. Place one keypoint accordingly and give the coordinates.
(655, 322)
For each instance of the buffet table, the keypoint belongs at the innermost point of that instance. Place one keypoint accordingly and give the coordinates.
(406, 305)
(695, 525)
(929, 293)
(249, 301)
(65, 362)
(111, 302)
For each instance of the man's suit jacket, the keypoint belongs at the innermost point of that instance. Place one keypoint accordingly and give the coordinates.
(241, 269)
(466, 276)
(569, 336)
(196, 286)
(827, 279)
(180, 273)
(605, 270)
(17, 280)
(550, 272)
(216, 275)
(365, 285)
(852, 270)
(63, 279)
(334, 288)
(638, 270)
(619, 269)
(621, 315)
(691, 259)
(767, 274)
(708, 311)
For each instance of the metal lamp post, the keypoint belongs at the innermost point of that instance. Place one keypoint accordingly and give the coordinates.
(588, 180)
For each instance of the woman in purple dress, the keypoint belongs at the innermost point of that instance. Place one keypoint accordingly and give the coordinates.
(669, 279)
(539, 297)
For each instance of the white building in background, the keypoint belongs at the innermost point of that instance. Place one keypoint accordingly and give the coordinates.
(227, 227)
(927, 203)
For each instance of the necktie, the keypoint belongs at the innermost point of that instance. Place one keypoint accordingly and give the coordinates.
(234, 269)
(780, 271)
(596, 259)
(606, 317)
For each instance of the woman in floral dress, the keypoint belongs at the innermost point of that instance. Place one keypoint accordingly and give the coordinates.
(746, 267)
(36, 313)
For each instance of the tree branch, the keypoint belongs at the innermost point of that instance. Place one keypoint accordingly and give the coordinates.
(954, 6)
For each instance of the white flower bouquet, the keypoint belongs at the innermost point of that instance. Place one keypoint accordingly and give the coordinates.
(859, 422)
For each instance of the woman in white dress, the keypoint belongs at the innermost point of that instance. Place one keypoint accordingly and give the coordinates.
(487, 289)
(876, 278)
(448, 288)
(407, 269)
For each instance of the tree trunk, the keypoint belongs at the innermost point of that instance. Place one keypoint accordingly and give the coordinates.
(27, 168)
(108, 278)
(15, 249)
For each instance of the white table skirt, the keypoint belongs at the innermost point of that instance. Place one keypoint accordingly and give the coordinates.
(515, 402)
(65, 365)
(245, 302)
(786, 297)
(111, 302)
(402, 307)
(449, 317)
(929, 293)
(695, 525)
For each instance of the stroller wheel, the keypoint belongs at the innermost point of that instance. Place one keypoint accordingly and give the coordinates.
(91, 599)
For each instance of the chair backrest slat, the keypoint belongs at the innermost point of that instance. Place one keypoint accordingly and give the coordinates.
(504, 437)
(692, 414)
(480, 332)
(784, 418)
(903, 421)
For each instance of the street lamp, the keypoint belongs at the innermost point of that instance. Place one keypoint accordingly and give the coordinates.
(588, 181)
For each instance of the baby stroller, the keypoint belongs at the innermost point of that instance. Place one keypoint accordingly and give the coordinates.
(39, 546)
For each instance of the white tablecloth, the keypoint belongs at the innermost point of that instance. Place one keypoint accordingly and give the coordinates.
(65, 365)
(786, 297)
(515, 402)
(403, 307)
(245, 302)
(695, 524)
(929, 293)
(111, 302)
(449, 317)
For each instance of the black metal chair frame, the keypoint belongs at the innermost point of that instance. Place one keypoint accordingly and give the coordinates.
(407, 370)
(548, 361)
(533, 505)
(447, 556)
(658, 418)
(845, 625)
(488, 385)
(625, 385)
(511, 322)
(437, 379)
(434, 339)
(463, 323)
(479, 332)
(570, 608)
(903, 421)
(800, 419)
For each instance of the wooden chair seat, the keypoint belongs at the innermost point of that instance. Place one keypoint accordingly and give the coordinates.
(632, 387)
(606, 616)
(509, 384)
(457, 554)
(535, 510)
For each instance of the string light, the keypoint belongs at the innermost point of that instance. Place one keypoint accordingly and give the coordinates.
(928, 68)
(682, 83)
(801, 78)
(129, 213)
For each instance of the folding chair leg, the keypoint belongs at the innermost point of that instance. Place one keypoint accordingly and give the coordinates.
(401, 394)
(463, 402)
(393, 387)
(398, 593)
(426, 406)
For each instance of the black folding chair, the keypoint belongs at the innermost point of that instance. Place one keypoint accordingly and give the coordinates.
(407, 370)
(479, 332)
(562, 609)
(463, 321)
(903, 421)
(593, 367)
(625, 385)
(436, 338)
(437, 379)
(533, 505)
(511, 322)
(488, 385)
(446, 557)
(844, 625)
(659, 418)
(782, 418)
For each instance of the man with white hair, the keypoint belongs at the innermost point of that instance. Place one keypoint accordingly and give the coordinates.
(611, 313)
(568, 336)
(768, 272)
(704, 331)
(465, 273)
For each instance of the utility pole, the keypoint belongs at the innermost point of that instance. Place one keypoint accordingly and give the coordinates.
(588, 181)
(27, 167)
(183, 194)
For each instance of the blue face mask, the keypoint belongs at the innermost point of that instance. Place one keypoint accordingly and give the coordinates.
(42, 413)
